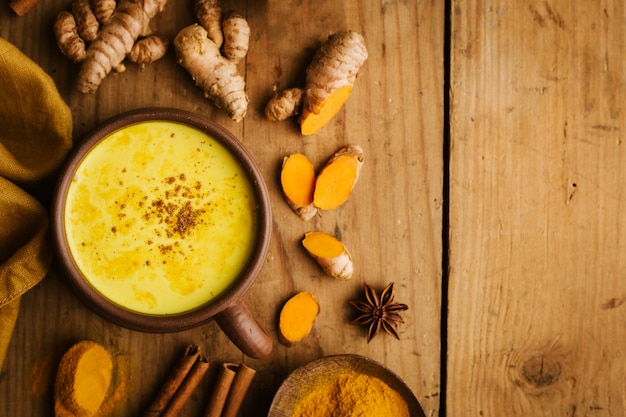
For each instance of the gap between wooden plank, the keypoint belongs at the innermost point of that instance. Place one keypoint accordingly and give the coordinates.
(445, 238)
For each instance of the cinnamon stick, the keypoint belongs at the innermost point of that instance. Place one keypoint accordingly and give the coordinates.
(186, 389)
(220, 392)
(21, 7)
(173, 381)
(238, 390)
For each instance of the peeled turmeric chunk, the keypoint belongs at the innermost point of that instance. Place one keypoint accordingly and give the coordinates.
(330, 253)
(297, 317)
(297, 178)
(82, 380)
(329, 79)
(336, 180)
(311, 122)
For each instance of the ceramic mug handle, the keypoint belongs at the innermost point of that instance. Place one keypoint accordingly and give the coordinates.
(242, 328)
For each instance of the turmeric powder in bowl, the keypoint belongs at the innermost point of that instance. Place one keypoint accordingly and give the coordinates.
(350, 394)
(346, 385)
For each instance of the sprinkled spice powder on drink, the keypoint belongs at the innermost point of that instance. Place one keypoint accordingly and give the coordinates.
(175, 210)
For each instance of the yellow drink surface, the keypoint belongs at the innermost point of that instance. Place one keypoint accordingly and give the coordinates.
(160, 218)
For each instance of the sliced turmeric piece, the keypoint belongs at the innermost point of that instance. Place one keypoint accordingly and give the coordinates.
(297, 178)
(297, 317)
(336, 180)
(311, 122)
(330, 253)
(329, 79)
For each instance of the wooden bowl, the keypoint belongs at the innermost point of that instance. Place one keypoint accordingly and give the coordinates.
(304, 379)
(228, 308)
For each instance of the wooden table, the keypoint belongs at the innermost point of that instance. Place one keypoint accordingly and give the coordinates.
(492, 194)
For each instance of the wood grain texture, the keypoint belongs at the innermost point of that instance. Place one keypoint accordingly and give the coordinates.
(536, 289)
(392, 223)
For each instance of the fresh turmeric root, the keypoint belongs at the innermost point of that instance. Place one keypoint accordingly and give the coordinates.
(66, 32)
(147, 50)
(212, 72)
(284, 105)
(297, 179)
(86, 21)
(337, 178)
(236, 36)
(209, 14)
(198, 51)
(115, 40)
(297, 318)
(329, 81)
(103, 9)
(330, 253)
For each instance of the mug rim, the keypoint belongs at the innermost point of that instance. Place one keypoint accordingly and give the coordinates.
(162, 323)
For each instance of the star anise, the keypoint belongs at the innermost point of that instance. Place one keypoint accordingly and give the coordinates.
(379, 312)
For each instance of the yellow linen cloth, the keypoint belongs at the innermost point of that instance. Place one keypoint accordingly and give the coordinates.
(35, 137)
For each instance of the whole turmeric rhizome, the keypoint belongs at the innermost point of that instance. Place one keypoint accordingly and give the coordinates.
(210, 51)
(101, 34)
(329, 81)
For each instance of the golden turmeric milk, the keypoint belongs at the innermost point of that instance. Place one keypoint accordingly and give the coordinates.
(351, 394)
(160, 217)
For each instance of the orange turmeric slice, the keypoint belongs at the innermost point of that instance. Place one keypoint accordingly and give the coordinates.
(330, 253)
(311, 122)
(297, 178)
(338, 177)
(297, 317)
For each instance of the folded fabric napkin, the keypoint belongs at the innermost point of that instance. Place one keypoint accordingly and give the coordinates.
(35, 137)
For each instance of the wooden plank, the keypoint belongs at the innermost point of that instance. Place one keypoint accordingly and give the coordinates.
(392, 223)
(536, 292)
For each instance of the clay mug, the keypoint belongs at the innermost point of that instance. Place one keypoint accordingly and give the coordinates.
(227, 308)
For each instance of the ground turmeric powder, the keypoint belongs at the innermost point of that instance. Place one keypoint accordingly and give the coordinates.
(83, 380)
(350, 394)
